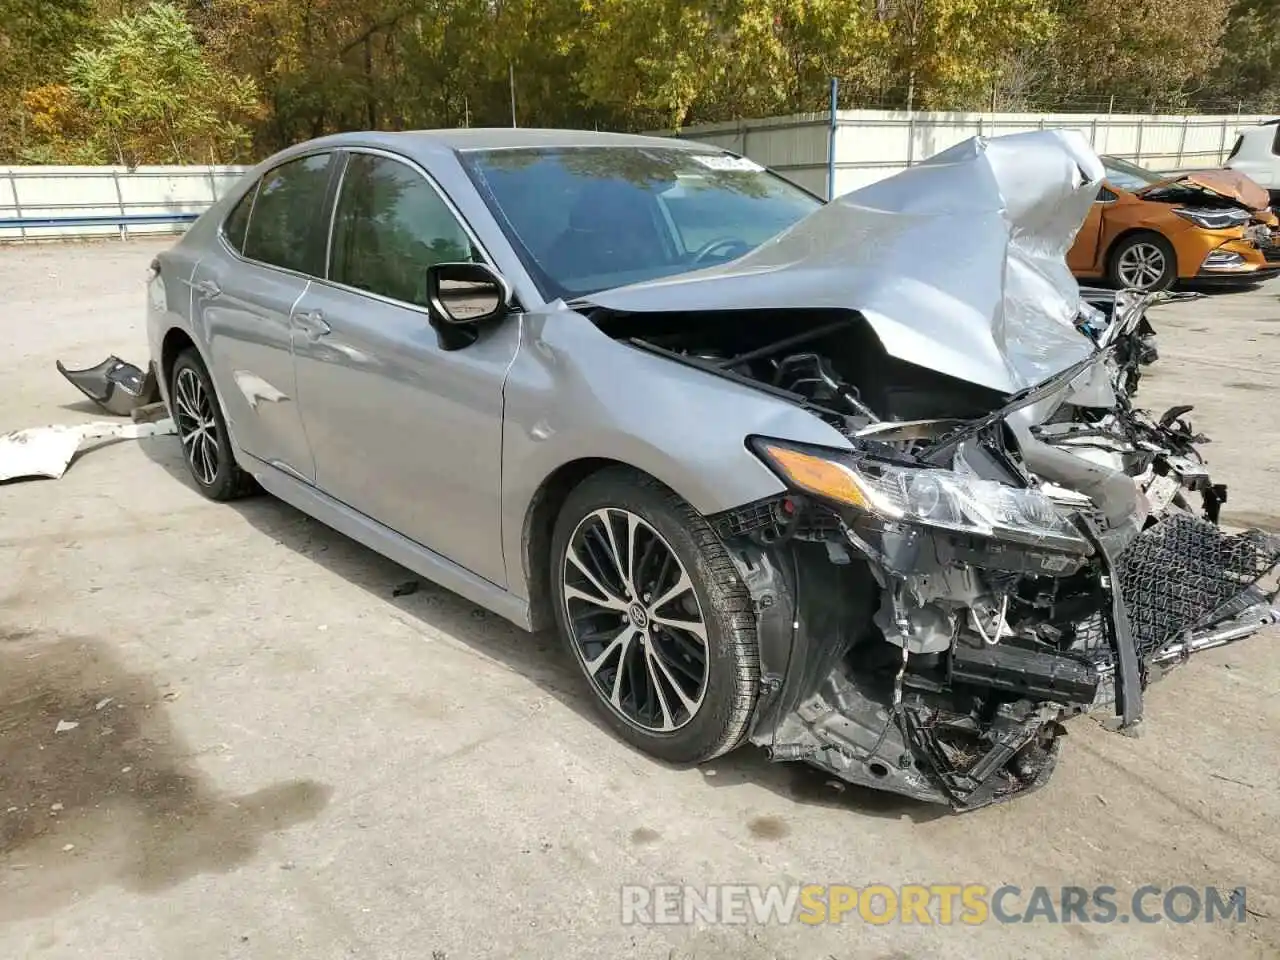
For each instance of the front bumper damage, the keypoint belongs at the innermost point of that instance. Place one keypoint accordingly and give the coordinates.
(945, 669)
(944, 665)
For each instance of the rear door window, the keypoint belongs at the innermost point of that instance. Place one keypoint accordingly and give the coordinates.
(287, 226)
(235, 226)
(389, 226)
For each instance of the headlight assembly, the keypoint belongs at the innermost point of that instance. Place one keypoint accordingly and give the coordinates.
(942, 499)
(1214, 219)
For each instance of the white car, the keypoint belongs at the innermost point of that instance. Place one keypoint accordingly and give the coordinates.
(1257, 154)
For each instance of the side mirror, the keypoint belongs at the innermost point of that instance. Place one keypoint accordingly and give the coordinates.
(460, 296)
(466, 293)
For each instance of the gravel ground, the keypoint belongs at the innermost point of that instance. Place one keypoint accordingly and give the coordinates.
(277, 758)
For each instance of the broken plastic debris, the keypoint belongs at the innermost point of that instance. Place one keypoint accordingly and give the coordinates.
(67, 848)
(48, 451)
(114, 385)
(65, 725)
(55, 807)
(125, 769)
(151, 413)
(102, 703)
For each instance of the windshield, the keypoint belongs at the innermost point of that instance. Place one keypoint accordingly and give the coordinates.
(1129, 176)
(585, 219)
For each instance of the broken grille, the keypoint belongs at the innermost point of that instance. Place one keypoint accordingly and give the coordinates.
(1185, 573)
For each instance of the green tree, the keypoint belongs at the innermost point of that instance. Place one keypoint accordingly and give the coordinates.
(946, 53)
(36, 37)
(1148, 54)
(154, 96)
(1250, 72)
(121, 80)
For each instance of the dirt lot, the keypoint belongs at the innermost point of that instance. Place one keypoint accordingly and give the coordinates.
(277, 758)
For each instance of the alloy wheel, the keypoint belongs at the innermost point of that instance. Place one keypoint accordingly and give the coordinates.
(1141, 265)
(197, 426)
(636, 623)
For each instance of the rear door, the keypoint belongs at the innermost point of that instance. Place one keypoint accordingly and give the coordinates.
(245, 291)
(404, 432)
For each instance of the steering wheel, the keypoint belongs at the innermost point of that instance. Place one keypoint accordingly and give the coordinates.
(727, 243)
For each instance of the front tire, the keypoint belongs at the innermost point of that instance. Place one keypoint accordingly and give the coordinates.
(1145, 262)
(206, 444)
(656, 617)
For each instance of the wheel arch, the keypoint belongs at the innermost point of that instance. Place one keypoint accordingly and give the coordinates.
(175, 341)
(539, 525)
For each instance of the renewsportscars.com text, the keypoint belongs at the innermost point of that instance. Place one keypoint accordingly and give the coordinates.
(928, 904)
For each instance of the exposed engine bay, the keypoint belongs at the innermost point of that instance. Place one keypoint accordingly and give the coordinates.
(997, 565)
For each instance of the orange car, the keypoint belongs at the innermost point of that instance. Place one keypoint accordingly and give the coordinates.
(1147, 231)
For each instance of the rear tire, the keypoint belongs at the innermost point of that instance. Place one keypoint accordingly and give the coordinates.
(202, 430)
(653, 611)
(1143, 261)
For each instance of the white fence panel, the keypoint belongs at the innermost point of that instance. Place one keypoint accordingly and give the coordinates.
(64, 202)
(53, 202)
(794, 146)
(873, 144)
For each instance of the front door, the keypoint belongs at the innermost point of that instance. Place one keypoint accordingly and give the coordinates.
(402, 431)
(1084, 253)
(244, 297)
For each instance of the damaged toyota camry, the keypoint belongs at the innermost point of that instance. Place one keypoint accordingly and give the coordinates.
(861, 482)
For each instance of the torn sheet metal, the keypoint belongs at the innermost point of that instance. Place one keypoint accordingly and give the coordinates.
(48, 451)
(114, 385)
(959, 263)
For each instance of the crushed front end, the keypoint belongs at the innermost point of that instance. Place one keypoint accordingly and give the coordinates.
(994, 539)
(934, 606)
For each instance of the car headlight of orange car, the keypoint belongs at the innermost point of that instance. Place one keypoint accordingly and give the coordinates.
(1214, 219)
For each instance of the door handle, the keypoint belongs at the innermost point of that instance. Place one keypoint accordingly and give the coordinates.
(312, 323)
(209, 288)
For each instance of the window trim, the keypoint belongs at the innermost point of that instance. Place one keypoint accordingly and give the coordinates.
(417, 168)
(333, 154)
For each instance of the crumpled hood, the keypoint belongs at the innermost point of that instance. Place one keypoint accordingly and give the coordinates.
(1230, 184)
(958, 264)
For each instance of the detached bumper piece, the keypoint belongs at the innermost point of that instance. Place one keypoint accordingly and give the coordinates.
(116, 386)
